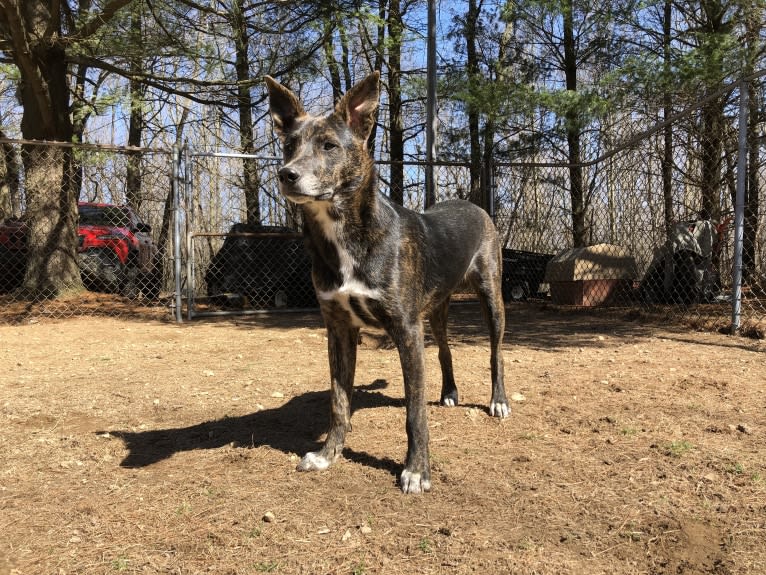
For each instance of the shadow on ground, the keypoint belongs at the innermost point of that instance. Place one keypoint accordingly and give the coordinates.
(294, 427)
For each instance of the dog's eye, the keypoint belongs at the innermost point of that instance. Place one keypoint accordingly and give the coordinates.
(328, 145)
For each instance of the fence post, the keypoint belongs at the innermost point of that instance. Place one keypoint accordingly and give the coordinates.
(488, 178)
(190, 226)
(176, 191)
(739, 208)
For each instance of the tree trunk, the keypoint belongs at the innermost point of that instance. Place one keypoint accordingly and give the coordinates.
(136, 122)
(80, 115)
(332, 63)
(10, 178)
(667, 110)
(711, 146)
(52, 264)
(474, 136)
(396, 128)
(377, 64)
(712, 121)
(133, 176)
(753, 13)
(252, 180)
(345, 55)
(579, 236)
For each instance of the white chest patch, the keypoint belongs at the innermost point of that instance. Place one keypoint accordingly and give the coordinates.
(350, 286)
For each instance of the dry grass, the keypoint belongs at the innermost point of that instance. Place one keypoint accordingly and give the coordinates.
(135, 447)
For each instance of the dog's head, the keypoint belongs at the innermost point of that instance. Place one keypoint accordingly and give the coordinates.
(325, 158)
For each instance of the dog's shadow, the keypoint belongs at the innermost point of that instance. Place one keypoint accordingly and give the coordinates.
(294, 427)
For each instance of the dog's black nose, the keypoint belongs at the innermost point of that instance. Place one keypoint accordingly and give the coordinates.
(288, 175)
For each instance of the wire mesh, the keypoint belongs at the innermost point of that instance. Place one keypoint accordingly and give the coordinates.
(632, 255)
(240, 248)
(103, 252)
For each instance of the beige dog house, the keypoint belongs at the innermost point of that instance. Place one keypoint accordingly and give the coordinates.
(590, 276)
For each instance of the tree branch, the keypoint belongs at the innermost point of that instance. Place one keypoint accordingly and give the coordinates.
(98, 20)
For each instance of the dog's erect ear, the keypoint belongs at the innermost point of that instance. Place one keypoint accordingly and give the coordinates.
(284, 106)
(357, 107)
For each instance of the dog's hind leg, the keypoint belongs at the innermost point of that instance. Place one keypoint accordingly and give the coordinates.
(342, 344)
(488, 288)
(438, 320)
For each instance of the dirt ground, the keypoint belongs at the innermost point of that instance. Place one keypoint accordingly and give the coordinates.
(147, 447)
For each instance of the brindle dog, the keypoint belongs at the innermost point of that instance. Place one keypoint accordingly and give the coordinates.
(377, 263)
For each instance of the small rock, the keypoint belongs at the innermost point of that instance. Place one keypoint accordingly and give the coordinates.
(518, 397)
(277, 394)
(365, 529)
(346, 535)
(269, 517)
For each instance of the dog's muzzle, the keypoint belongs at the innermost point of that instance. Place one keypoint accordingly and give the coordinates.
(288, 185)
(299, 188)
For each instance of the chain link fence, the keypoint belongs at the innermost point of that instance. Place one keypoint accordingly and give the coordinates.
(631, 257)
(83, 230)
(658, 231)
(186, 233)
(244, 250)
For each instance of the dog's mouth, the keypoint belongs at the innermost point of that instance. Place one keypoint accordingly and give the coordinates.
(298, 197)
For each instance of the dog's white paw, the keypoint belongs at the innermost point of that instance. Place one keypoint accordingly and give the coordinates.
(499, 409)
(312, 461)
(449, 402)
(414, 482)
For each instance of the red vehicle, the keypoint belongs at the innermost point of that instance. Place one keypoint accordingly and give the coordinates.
(115, 248)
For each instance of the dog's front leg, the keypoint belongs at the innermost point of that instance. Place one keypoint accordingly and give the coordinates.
(416, 476)
(341, 346)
